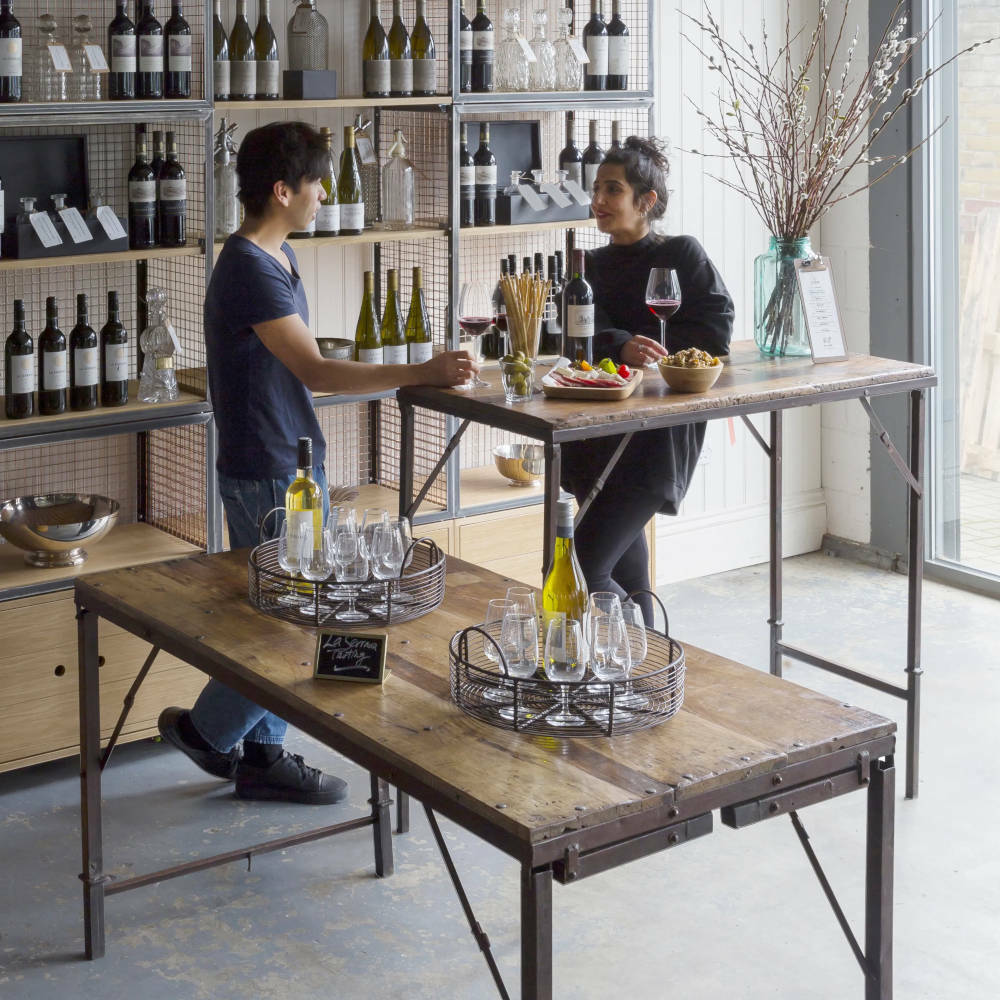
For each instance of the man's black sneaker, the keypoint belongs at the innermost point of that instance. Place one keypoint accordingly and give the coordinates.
(289, 779)
(216, 763)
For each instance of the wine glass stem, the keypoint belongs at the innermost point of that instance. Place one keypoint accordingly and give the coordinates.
(663, 332)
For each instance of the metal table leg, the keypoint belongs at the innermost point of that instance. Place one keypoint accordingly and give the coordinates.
(879, 880)
(406, 444)
(92, 875)
(774, 620)
(915, 574)
(536, 933)
(382, 826)
(553, 473)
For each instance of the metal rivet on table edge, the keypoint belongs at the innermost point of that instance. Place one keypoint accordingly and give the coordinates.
(798, 743)
(580, 809)
(428, 729)
(650, 791)
(689, 777)
(338, 715)
(776, 780)
(773, 807)
(199, 637)
(745, 758)
(501, 805)
(673, 812)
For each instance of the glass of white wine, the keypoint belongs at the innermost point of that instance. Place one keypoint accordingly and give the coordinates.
(565, 662)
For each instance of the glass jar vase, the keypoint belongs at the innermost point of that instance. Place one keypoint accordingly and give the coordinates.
(779, 325)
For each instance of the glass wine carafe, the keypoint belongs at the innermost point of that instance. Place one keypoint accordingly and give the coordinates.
(87, 85)
(308, 38)
(511, 64)
(50, 84)
(569, 69)
(542, 72)
(158, 381)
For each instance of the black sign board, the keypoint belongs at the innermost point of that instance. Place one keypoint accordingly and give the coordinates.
(350, 656)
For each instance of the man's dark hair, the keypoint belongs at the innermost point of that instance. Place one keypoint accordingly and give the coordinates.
(646, 169)
(292, 152)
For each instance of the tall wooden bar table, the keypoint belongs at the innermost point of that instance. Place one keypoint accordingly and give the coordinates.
(749, 384)
(749, 745)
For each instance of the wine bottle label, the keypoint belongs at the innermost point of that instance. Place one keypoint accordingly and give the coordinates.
(467, 180)
(597, 49)
(123, 53)
(54, 370)
(400, 75)
(590, 175)
(173, 189)
(86, 366)
(482, 42)
(579, 321)
(328, 219)
(243, 78)
(22, 373)
(486, 176)
(151, 54)
(370, 355)
(393, 354)
(574, 170)
(10, 56)
(465, 40)
(140, 192)
(267, 77)
(618, 55)
(377, 76)
(420, 352)
(220, 79)
(352, 216)
(179, 53)
(116, 363)
(425, 75)
(299, 523)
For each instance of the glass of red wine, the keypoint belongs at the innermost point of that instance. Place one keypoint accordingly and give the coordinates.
(475, 317)
(663, 296)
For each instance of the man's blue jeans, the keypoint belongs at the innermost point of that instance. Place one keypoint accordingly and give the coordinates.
(220, 715)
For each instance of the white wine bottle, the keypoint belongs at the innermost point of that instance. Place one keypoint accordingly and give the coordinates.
(349, 193)
(424, 55)
(564, 593)
(303, 502)
(220, 55)
(328, 216)
(375, 57)
(367, 335)
(419, 340)
(400, 55)
(393, 337)
(265, 49)
(242, 62)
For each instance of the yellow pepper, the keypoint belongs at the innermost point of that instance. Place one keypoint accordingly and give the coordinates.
(584, 367)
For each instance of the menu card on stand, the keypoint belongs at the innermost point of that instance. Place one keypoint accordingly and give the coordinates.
(819, 303)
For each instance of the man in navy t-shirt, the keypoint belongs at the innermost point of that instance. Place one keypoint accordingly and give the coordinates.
(263, 365)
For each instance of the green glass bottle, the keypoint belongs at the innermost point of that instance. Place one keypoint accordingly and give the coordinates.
(265, 48)
(349, 194)
(375, 57)
(328, 216)
(400, 55)
(564, 593)
(424, 55)
(367, 335)
(393, 335)
(419, 340)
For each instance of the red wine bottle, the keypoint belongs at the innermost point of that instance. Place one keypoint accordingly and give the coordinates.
(114, 357)
(141, 197)
(84, 362)
(486, 179)
(171, 198)
(571, 159)
(578, 308)
(121, 55)
(619, 52)
(149, 33)
(19, 368)
(595, 39)
(466, 182)
(53, 368)
(593, 157)
(465, 51)
(551, 339)
(10, 61)
(482, 50)
(177, 82)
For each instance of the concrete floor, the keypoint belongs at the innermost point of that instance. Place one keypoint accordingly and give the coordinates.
(734, 915)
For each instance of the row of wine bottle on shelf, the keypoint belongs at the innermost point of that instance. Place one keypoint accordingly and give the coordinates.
(73, 373)
(157, 194)
(390, 341)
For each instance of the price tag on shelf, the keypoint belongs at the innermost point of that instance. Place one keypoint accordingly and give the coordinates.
(95, 56)
(110, 223)
(529, 53)
(366, 151)
(74, 223)
(556, 194)
(576, 192)
(531, 197)
(60, 58)
(44, 229)
(579, 51)
(819, 303)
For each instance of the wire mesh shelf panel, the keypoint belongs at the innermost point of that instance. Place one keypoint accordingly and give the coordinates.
(429, 441)
(426, 135)
(174, 490)
(347, 432)
(417, 591)
(183, 279)
(480, 687)
(102, 465)
(101, 13)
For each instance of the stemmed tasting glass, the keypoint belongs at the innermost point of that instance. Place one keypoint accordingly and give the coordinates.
(565, 661)
(638, 647)
(370, 519)
(352, 567)
(402, 525)
(316, 565)
(387, 555)
(475, 316)
(288, 559)
(519, 644)
(663, 296)
(340, 517)
(524, 598)
(496, 611)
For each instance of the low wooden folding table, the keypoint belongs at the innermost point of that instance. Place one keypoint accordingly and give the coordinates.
(745, 743)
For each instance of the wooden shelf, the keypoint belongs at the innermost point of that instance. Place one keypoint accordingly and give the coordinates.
(193, 249)
(338, 102)
(421, 231)
(124, 545)
(484, 486)
(537, 227)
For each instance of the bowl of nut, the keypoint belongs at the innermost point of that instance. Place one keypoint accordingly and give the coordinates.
(690, 370)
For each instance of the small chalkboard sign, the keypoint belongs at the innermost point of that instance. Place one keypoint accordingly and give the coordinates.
(350, 656)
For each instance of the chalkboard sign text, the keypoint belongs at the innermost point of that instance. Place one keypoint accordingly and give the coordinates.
(350, 656)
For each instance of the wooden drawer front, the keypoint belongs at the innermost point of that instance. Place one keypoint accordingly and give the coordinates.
(439, 532)
(502, 535)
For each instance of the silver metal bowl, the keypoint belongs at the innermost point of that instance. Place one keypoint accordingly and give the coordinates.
(51, 528)
(336, 348)
(521, 464)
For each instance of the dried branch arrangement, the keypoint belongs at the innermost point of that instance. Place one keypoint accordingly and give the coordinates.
(524, 297)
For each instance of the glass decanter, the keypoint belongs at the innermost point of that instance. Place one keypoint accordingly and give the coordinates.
(87, 84)
(542, 72)
(308, 38)
(510, 70)
(397, 186)
(512, 187)
(569, 69)
(227, 204)
(27, 210)
(158, 381)
(51, 83)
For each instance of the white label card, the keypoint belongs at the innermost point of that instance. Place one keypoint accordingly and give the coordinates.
(576, 191)
(73, 220)
(22, 374)
(110, 223)
(95, 56)
(556, 194)
(579, 51)
(60, 58)
(819, 303)
(366, 150)
(45, 230)
(529, 53)
(530, 195)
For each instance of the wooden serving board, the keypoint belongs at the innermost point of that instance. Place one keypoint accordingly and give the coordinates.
(596, 394)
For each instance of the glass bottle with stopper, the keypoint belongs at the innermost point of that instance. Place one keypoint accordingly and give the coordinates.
(569, 69)
(511, 66)
(308, 38)
(50, 83)
(542, 72)
(158, 341)
(397, 186)
(87, 85)
(227, 204)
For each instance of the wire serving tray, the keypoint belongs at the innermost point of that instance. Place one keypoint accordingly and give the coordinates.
(484, 690)
(418, 589)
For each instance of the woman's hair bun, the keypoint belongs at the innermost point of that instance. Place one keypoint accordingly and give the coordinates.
(653, 148)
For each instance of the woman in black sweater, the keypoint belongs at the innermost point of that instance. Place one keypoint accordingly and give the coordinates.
(653, 473)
